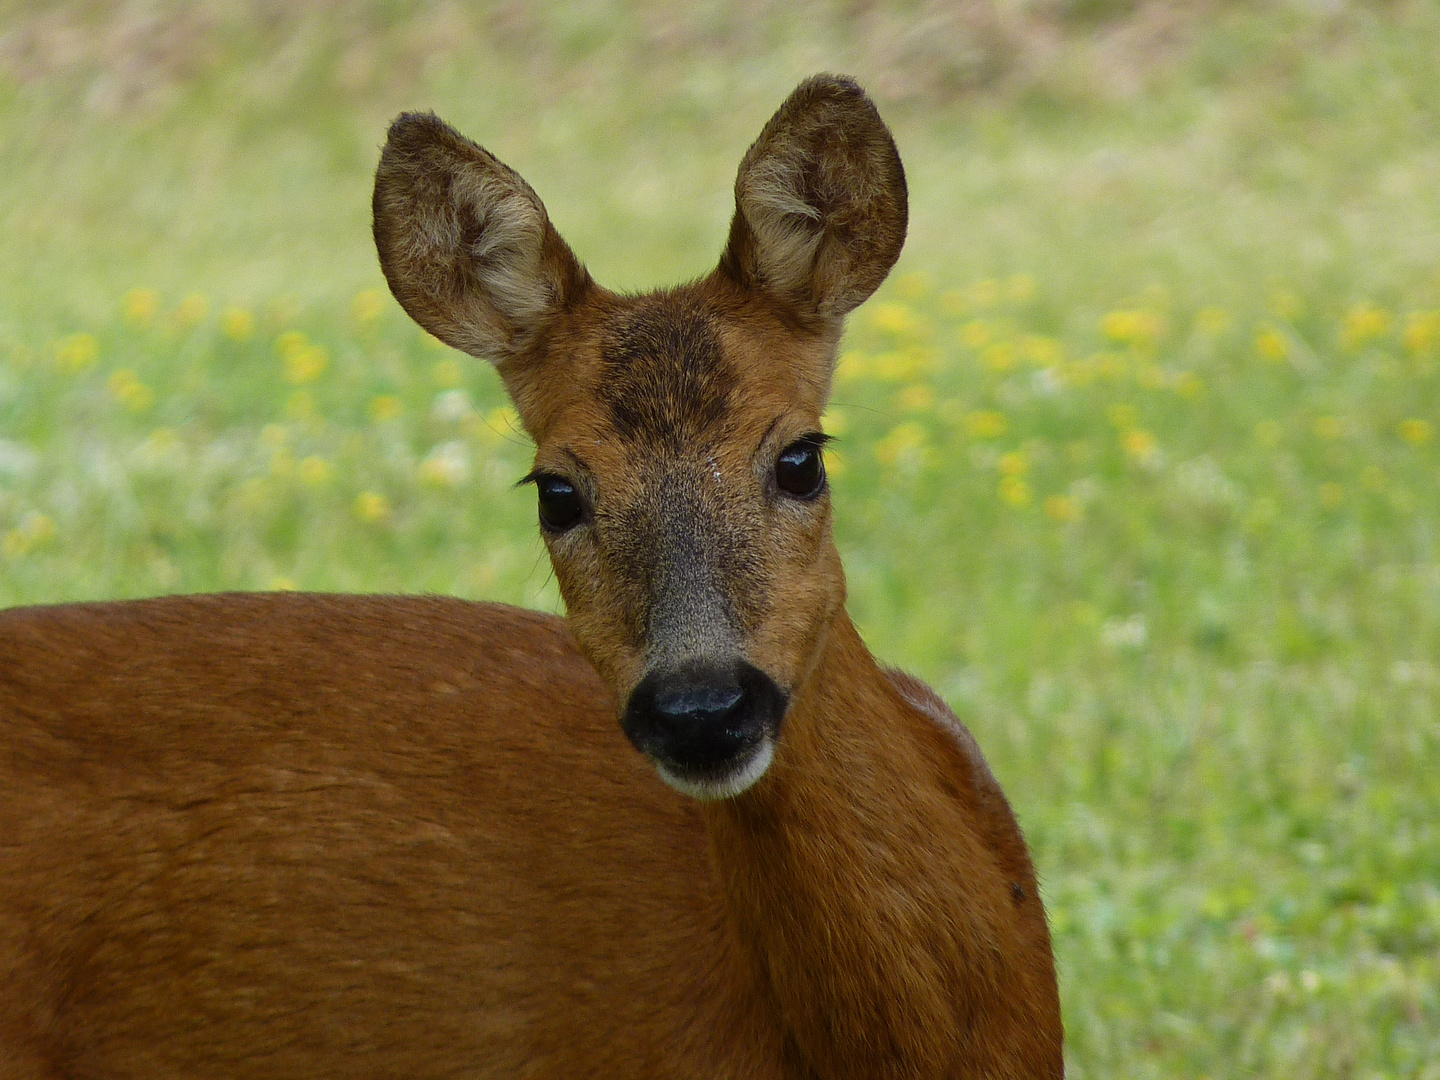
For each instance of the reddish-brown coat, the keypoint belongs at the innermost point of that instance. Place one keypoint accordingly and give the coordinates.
(314, 836)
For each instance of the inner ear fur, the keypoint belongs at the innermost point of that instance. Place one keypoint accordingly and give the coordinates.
(466, 244)
(820, 202)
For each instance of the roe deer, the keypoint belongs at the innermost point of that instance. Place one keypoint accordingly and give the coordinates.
(326, 836)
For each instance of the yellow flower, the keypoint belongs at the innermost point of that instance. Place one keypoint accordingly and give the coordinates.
(40, 527)
(139, 307)
(895, 318)
(904, 365)
(1133, 327)
(916, 398)
(1015, 491)
(447, 373)
(304, 362)
(237, 323)
(1329, 427)
(1212, 320)
(76, 352)
(1063, 508)
(1268, 432)
(1189, 385)
(280, 583)
(975, 334)
(1422, 330)
(905, 444)
(16, 543)
(999, 357)
(1013, 464)
(367, 305)
(192, 309)
(315, 470)
(446, 466)
(835, 463)
(126, 388)
(986, 424)
(1272, 345)
(161, 441)
(372, 506)
(385, 407)
(291, 343)
(1020, 288)
(306, 365)
(1118, 325)
(1415, 431)
(1140, 445)
(1044, 351)
(1363, 324)
(34, 529)
(1331, 495)
(833, 423)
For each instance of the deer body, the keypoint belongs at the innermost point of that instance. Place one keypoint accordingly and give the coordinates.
(406, 837)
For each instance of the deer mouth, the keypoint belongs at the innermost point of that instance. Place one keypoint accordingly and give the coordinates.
(709, 728)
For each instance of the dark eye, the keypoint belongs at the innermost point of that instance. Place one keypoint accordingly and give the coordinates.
(800, 470)
(561, 507)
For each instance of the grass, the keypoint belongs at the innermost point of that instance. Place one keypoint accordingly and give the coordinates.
(1138, 455)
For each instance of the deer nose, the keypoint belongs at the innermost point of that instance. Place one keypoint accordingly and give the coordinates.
(698, 706)
(701, 720)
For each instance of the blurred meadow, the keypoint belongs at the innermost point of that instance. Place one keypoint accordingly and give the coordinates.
(1138, 448)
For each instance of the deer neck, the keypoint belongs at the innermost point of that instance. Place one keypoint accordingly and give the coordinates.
(856, 879)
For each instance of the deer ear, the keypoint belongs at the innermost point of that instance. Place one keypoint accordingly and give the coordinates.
(466, 244)
(820, 201)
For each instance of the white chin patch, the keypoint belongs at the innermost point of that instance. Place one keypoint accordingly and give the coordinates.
(727, 786)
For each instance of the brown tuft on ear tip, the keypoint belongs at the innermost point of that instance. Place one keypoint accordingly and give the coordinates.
(465, 243)
(411, 129)
(821, 206)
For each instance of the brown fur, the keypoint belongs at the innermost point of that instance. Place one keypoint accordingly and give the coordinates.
(336, 836)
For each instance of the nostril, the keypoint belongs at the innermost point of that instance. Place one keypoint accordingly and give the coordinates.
(709, 728)
(698, 702)
(697, 717)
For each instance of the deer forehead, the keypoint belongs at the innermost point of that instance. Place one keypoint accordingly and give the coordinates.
(676, 376)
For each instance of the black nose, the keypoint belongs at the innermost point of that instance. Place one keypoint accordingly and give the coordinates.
(701, 719)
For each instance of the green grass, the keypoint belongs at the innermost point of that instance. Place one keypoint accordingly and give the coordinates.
(1139, 455)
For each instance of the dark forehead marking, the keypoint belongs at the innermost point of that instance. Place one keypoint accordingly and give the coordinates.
(664, 376)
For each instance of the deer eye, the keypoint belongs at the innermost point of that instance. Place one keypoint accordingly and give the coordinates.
(800, 470)
(561, 507)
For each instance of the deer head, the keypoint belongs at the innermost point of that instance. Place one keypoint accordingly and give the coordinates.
(679, 460)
